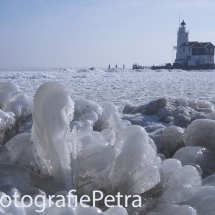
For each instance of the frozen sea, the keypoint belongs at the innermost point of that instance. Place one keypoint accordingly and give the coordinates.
(169, 159)
(118, 86)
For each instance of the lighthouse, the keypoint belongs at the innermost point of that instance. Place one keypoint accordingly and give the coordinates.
(192, 53)
(182, 38)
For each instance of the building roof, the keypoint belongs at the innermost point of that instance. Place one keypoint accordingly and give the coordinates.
(189, 43)
(202, 45)
(196, 44)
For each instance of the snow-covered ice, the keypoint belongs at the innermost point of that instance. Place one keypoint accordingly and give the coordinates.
(144, 133)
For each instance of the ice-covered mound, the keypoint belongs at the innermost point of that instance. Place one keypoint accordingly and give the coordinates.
(201, 132)
(19, 151)
(211, 115)
(136, 167)
(169, 140)
(201, 156)
(177, 111)
(86, 113)
(70, 70)
(110, 119)
(14, 107)
(12, 100)
(174, 209)
(7, 122)
(92, 69)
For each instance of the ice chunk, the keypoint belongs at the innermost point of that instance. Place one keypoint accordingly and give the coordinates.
(178, 111)
(7, 91)
(10, 191)
(88, 211)
(201, 132)
(135, 168)
(21, 105)
(15, 176)
(51, 136)
(177, 194)
(168, 168)
(56, 210)
(116, 211)
(12, 100)
(7, 122)
(209, 181)
(96, 156)
(211, 115)
(86, 112)
(187, 175)
(109, 119)
(25, 124)
(176, 210)
(201, 156)
(171, 139)
(182, 210)
(20, 151)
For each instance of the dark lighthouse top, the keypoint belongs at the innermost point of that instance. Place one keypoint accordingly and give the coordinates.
(183, 23)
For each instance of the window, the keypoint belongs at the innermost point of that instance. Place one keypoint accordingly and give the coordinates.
(207, 50)
(189, 49)
(183, 49)
(212, 50)
(197, 50)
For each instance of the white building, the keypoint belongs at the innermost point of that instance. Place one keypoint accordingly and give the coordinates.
(192, 53)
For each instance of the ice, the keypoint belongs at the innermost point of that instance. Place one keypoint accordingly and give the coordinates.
(202, 199)
(180, 177)
(178, 210)
(14, 106)
(170, 140)
(177, 194)
(86, 113)
(168, 168)
(7, 91)
(92, 69)
(51, 137)
(201, 156)
(211, 115)
(12, 100)
(20, 152)
(83, 144)
(7, 122)
(92, 173)
(117, 70)
(134, 153)
(177, 111)
(209, 181)
(110, 119)
(25, 124)
(116, 210)
(19, 178)
(201, 133)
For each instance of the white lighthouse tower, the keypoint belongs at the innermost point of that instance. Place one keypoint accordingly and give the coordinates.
(182, 38)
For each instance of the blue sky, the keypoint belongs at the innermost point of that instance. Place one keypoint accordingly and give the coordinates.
(86, 33)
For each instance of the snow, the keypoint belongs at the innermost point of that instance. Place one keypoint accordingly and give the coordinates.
(64, 129)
